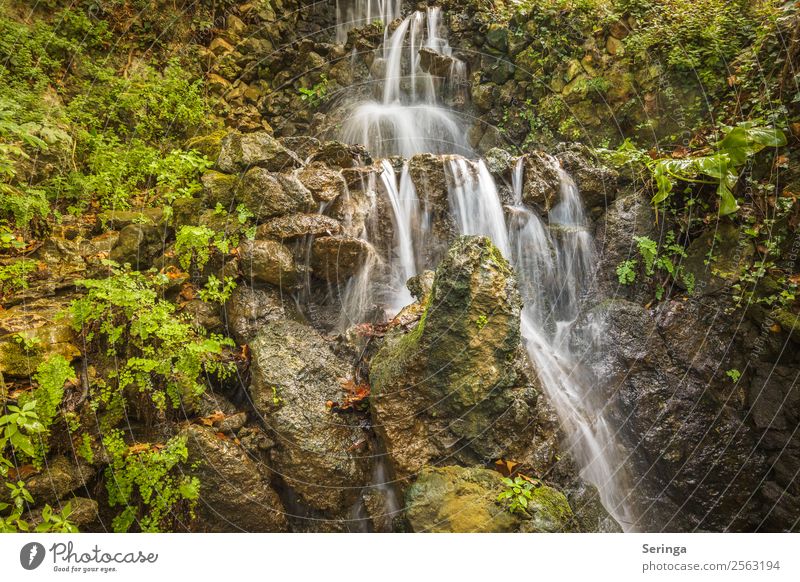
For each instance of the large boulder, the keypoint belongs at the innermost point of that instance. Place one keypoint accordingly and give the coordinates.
(460, 499)
(698, 456)
(219, 188)
(242, 151)
(324, 183)
(732, 251)
(455, 385)
(339, 155)
(267, 194)
(268, 261)
(234, 491)
(629, 216)
(319, 453)
(337, 258)
(295, 226)
(541, 181)
(32, 332)
(248, 309)
(138, 245)
(60, 477)
(597, 183)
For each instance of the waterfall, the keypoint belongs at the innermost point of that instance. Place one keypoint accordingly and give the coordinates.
(553, 256)
(405, 214)
(408, 119)
(357, 13)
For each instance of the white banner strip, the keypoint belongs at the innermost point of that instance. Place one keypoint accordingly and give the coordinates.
(355, 557)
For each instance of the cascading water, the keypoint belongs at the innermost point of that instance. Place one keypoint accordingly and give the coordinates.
(408, 119)
(553, 259)
(356, 13)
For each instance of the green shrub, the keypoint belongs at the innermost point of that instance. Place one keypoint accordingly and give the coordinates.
(162, 356)
(50, 377)
(694, 37)
(146, 480)
(14, 276)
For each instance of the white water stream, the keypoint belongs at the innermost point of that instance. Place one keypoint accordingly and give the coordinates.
(553, 255)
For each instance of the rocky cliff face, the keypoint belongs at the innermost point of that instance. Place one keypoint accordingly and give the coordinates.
(400, 425)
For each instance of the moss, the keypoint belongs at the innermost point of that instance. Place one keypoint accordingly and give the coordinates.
(458, 499)
(398, 349)
(788, 321)
(209, 145)
(549, 510)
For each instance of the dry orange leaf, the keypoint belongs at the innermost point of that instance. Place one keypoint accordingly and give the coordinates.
(505, 466)
(212, 419)
(21, 472)
(138, 448)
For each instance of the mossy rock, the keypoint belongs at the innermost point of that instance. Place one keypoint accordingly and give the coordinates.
(464, 500)
(209, 145)
(458, 500)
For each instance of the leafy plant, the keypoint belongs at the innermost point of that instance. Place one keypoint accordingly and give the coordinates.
(20, 496)
(163, 356)
(626, 271)
(722, 166)
(734, 375)
(317, 94)
(216, 291)
(193, 245)
(14, 277)
(50, 377)
(18, 428)
(517, 495)
(53, 522)
(657, 261)
(147, 482)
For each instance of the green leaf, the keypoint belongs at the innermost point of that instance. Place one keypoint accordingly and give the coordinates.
(727, 203)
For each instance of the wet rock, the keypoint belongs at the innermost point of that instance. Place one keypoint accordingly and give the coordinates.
(232, 423)
(203, 314)
(701, 458)
(242, 151)
(32, 332)
(249, 309)
(499, 162)
(629, 216)
(541, 182)
(497, 37)
(325, 184)
(294, 375)
(457, 386)
(298, 225)
(267, 261)
(483, 95)
(456, 499)
(219, 188)
(138, 245)
(436, 64)
(59, 477)
(209, 145)
(234, 494)
(336, 258)
(267, 195)
(716, 258)
(303, 146)
(119, 219)
(427, 172)
(597, 183)
(339, 155)
(459, 499)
